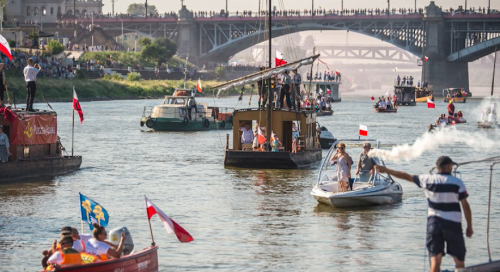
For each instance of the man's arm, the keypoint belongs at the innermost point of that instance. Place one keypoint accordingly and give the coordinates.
(398, 174)
(468, 216)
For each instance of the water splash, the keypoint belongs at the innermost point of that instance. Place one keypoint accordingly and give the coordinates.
(430, 141)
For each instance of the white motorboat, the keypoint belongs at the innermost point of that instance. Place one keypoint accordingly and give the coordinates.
(367, 189)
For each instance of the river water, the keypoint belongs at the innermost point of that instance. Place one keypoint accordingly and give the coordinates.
(241, 220)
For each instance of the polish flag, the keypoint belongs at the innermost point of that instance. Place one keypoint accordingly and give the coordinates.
(372, 98)
(328, 91)
(279, 59)
(198, 87)
(430, 104)
(426, 58)
(76, 105)
(168, 223)
(363, 130)
(5, 48)
(260, 135)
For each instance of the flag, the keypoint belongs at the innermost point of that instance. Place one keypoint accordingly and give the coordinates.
(387, 93)
(396, 70)
(363, 130)
(372, 98)
(430, 104)
(426, 58)
(198, 87)
(279, 59)
(8, 114)
(5, 48)
(328, 91)
(76, 105)
(170, 225)
(261, 138)
(92, 212)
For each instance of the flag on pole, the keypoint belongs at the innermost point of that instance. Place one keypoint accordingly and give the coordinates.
(261, 138)
(92, 212)
(363, 130)
(387, 93)
(198, 87)
(328, 91)
(5, 48)
(372, 98)
(396, 70)
(170, 225)
(426, 58)
(430, 104)
(279, 59)
(76, 105)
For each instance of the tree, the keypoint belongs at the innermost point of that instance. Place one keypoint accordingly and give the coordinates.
(309, 42)
(160, 50)
(55, 47)
(140, 9)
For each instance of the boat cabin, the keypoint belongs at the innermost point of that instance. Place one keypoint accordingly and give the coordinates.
(405, 95)
(328, 89)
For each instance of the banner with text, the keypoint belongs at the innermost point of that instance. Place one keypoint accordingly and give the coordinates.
(35, 129)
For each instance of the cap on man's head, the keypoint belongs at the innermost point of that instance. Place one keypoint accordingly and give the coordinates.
(444, 160)
(367, 144)
(67, 230)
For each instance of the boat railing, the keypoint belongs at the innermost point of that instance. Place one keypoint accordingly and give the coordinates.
(148, 109)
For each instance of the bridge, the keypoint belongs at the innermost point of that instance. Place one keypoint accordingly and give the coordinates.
(449, 40)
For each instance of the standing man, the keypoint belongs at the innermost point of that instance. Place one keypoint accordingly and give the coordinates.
(30, 72)
(444, 194)
(285, 94)
(365, 163)
(297, 80)
(4, 146)
(451, 108)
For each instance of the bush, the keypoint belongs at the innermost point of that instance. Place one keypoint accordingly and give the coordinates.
(55, 47)
(133, 76)
(116, 76)
(80, 74)
(12, 43)
(220, 72)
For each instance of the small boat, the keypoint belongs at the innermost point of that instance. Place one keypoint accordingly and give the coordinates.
(326, 138)
(367, 189)
(421, 95)
(487, 125)
(37, 152)
(145, 260)
(455, 94)
(386, 110)
(405, 95)
(181, 112)
(328, 89)
(456, 120)
(324, 113)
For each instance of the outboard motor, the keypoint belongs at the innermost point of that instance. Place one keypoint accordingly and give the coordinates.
(114, 237)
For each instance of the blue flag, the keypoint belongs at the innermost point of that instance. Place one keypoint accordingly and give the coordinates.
(92, 212)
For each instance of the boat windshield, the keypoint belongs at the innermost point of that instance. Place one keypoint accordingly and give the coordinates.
(176, 101)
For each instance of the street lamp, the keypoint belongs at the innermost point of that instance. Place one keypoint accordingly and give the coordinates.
(146, 5)
(388, 7)
(122, 33)
(15, 39)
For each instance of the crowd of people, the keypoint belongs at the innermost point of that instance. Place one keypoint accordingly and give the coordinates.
(327, 76)
(386, 103)
(50, 66)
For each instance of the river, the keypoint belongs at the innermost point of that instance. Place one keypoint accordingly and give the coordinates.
(241, 220)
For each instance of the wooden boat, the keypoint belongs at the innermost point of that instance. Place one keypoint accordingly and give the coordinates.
(145, 260)
(458, 95)
(391, 110)
(181, 112)
(324, 113)
(35, 147)
(405, 95)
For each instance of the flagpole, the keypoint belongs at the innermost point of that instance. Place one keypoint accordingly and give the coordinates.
(73, 133)
(149, 221)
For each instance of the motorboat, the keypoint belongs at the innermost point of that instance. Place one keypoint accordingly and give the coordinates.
(386, 110)
(367, 188)
(456, 120)
(457, 95)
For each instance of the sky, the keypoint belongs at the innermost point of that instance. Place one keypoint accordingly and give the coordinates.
(240, 5)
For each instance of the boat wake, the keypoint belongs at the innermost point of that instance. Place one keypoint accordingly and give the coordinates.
(428, 141)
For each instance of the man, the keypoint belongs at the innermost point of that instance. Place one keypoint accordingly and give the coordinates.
(444, 194)
(297, 80)
(30, 73)
(285, 94)
(365, 163)
(3, 83)
(247, 135)
(4, 146)
(67, 255)
(451, 108)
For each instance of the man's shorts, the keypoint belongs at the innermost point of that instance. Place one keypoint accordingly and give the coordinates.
(438, 233)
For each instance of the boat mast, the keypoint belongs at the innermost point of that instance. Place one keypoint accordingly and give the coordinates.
(269, 98)
(494, 67)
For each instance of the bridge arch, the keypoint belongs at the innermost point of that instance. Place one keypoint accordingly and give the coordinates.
(476, 51)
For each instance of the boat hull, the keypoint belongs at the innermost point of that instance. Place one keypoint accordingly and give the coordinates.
(487, 125)
(326, 143)
(424, 99)
(378, 195)
(324, 113)
(35, 169)
(484, 267)
(455, 99)
(271, 160)
(457, 120)
(168, 124)
(377, 110)
(144, 261)
(406, 103)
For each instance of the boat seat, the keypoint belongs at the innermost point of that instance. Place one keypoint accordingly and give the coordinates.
(246, 147)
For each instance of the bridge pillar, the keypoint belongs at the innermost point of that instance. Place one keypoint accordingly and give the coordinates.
(438, 71)
(188, 40)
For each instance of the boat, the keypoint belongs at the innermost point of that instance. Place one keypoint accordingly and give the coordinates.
(324, 113)
(367, 189)
(326, 138)
(181, 112)
(328, 89)
(456, 120)
(422, 94)
(458, 95)
(37, 152)
(386, 110)
(145, 260)
(405, 95)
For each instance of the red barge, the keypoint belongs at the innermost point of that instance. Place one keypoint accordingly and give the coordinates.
(36, 150)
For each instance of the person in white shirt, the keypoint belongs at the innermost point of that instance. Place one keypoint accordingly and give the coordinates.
(247, 136)
(98, 247)
(30, 72)
(381, 105)
(4, 146)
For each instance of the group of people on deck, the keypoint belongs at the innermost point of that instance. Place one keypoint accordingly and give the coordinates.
(74, 248)
(286, 90)
(250, 136)
(386, 102)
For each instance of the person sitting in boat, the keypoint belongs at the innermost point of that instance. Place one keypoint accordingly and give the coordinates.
(98, 247)
(442, 120)
(66, 255)
(323, 104)
(388, 103)
(4, 146)
(365, 165)
(460, 114)
(248, 136)
(381, 104)
(451, 108)
(344, 162)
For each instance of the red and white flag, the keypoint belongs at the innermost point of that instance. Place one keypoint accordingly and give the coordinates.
(372, 98)
(198, 87)
(279, 59)
(430, 104)
(168, 223)
(426, 58)
(261, 138)
(5, 48)
(76, 105)
(363, 130)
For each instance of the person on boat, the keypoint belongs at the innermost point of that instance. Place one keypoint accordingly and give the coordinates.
(442, 120)
(82, 237)
(460, 114)
(3, 83)
(96, 246)
(399, 80)
(4, 146)
(30, 72)
(275, 144)
(285, 94)
(381, 104)
(388, 103)
(189, 107)
(260, 90)
(445, 194)
(365, 165)
(451, 108)
(248, 136)
(297, 80)
(66, 255)
(344, 162)
(255, 142)
(294, 127)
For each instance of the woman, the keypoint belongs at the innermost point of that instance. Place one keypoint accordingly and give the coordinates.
(98, 247)
(344, 162)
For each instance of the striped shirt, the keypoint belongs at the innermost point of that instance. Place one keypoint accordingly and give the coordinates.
(444, 193)
(30, 73)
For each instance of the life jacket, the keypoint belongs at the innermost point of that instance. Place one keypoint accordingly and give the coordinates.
(91, 258)
(70, 256)
(58, 247)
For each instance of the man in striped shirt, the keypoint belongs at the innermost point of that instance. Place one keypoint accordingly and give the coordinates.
(444, 194)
